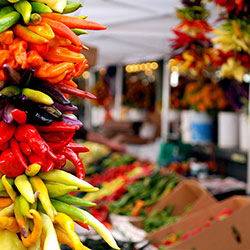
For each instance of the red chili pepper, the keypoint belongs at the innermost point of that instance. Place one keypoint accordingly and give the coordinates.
(19, 116)
(28, 133)
(61, 144)
(86, 226)
(55, 137)
(17, 153)
(4, 146)
(6, 132)
(75, 159)
(42, 161)
(25, 148)
(63, 30)
(73, 91)
(58, 127)
(9, 165)
(77, 148)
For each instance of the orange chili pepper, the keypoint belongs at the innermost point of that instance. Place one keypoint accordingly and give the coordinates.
(48, 70)
(138, 206)
(59, 41)
(42, 49)
(34, 59)
(7, 37)
(43, 29)
(63, 30)
(61, 54)
(4, 56)
(61, 77)
(75, 22)
(80, 68)
(29, 36)
(5, 202)
(71, 83)
(19, 48)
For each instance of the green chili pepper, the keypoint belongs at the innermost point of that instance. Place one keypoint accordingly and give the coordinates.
(24, 207)
(6, 10)
(71, 7)
(8, 20)
(73, 200)
(25, 9)
(66, 178)
(24, 187)
(69, 210)
(37, 96)
(4, 2)
(79, 31)
(35, 19)
(56, 189)
(40, 8)
(19, 217)
(10, 90)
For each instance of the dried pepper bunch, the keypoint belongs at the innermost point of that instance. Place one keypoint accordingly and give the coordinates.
(39, 56)
(233, 40)
(191, 49)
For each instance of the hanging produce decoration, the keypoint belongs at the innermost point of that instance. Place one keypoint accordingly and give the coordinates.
(233, 39)
(39, 56)
(192, 50)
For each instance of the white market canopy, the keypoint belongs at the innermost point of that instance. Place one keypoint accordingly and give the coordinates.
(138, 30)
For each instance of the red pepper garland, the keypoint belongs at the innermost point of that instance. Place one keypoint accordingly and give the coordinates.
(191, 49)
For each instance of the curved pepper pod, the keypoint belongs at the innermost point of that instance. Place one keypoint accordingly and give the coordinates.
(9, 164)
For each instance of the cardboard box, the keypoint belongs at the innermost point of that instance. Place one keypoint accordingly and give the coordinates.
(220, 235)
(187, 192)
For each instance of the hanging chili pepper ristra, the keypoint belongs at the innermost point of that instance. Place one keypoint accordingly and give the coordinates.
(40, 53)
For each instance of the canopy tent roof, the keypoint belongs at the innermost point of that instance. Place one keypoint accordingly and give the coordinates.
(138, 30)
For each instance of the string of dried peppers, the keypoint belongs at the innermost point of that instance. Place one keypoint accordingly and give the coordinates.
(40, 53)
(191, 48)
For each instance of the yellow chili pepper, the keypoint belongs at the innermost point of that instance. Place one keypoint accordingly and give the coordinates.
(100, 228)
(9, 223)
(43, 196)
(8, 211)
(33, 237)
(34, 169)
(50, 239)
(9, 189)
(24, 187)
(69, 226)
(63, 238)
(37, 96)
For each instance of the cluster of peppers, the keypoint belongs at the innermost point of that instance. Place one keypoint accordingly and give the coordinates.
(39, 55)
(192, 50)
(233, 40)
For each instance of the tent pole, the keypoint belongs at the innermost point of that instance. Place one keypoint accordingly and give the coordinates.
(90, 82)
(248, 155)
(165, 102)
(118, 92)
